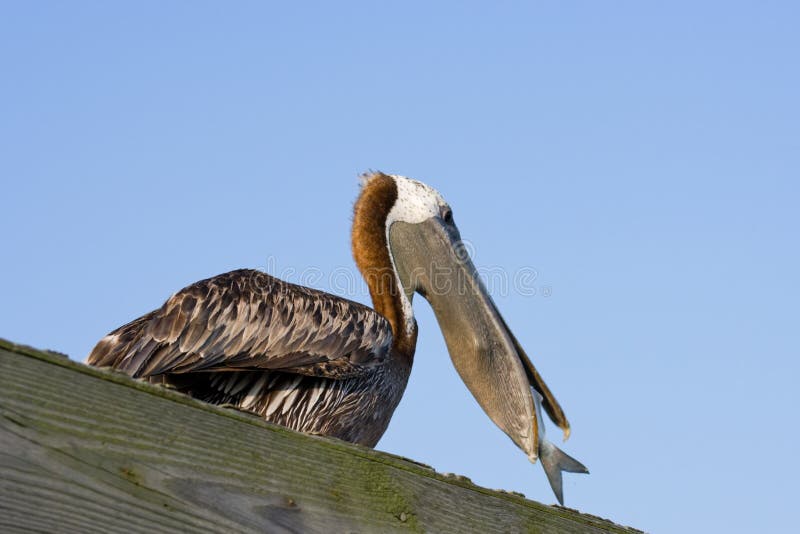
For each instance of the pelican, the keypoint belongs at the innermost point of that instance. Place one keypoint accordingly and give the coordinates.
(322, 364)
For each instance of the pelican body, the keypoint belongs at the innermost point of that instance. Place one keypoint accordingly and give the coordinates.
(322, 364)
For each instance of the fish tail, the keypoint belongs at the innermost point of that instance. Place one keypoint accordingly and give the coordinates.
(554, 461)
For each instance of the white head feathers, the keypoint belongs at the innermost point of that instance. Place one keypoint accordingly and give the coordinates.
(415, 202)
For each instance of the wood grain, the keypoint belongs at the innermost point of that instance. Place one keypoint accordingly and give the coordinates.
(87, 450)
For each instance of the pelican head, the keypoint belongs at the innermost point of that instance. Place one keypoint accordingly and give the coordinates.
(428, 257)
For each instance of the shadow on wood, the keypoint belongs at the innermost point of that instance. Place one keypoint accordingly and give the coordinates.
(87, 450)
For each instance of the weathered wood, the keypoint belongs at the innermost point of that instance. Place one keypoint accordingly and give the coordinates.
(87, 450)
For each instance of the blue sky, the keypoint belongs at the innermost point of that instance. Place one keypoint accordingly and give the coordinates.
(641, 159)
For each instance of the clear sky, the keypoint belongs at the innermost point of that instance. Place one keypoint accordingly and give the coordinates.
(637, 162)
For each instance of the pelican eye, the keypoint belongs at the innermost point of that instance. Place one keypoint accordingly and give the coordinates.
(447, 216)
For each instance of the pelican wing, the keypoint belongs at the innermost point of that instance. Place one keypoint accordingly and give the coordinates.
(245, 320)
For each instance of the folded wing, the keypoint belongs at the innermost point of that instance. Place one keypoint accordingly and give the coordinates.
(247, 320)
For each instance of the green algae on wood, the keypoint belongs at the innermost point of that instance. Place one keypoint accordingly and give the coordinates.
(90, 450)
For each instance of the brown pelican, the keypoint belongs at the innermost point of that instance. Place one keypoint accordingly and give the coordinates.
(322, 364)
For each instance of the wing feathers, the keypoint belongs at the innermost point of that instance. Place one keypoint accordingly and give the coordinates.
(247, 319)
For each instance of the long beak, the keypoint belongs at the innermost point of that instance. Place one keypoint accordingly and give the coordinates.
(432, 261)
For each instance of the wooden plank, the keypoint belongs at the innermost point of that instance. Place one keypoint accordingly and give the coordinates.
(88, 450)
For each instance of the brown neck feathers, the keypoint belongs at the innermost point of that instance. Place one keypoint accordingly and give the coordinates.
(371, 253)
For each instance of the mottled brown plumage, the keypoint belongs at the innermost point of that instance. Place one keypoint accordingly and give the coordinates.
(247, 319)
(297, 356)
